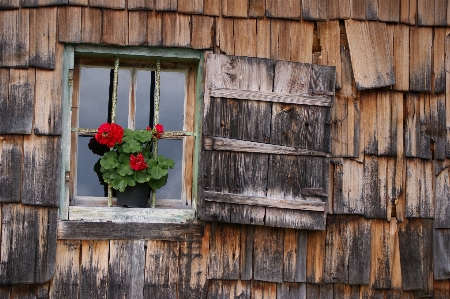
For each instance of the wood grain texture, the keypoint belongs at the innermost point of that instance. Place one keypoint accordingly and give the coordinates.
(67, 270)
(83, 230)
(438, 77)
(94, 269)
(69, 24)
(154, 29)
(420, 59)
(166, 5)
(115, 27)
(389, 11)
(400, 50)
(348, 187)
(371, 57)
(289, 10)
(441, 254)
(114, 4)
(8, 4)
(14, 37)
(137, 28)
(126, 265)
(41, 160)
(224, 251)
(17, 100)
(375, 204)
(191, 6)
(268, 254)
(48, 98)
(339, 9)
(28, 244)
(263, 35)
(447, 96)
(295, 249)
(315, 256)
(298, 48)
(360, 244)
(43, 37)
(314, 10)
(176, 30)
(442, 197)
(203, 30)
(229, 289)
(432, 14)
(11, 155)
(256, 8)
(193, 268)
(358, 10)
(234, 8)
(244, 33)
(161, 269)
(337, 250)
(408, 11)
(211, 8)
(380, 272)
(91, 28)
(39, 3)
(141, 4)
(329, 35)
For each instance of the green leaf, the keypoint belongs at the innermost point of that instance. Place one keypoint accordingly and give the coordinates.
(165, 162)
(108, 161)
(157, 172)
(124, 169)
(156, 184)
(142, 176)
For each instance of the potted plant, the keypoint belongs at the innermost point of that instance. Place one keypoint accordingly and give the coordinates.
(128, 163)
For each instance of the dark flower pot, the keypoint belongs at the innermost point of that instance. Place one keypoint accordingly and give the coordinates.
(134, 197)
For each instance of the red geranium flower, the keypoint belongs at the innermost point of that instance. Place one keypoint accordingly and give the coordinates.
(109, 134)
(138, 162)
(159, 130)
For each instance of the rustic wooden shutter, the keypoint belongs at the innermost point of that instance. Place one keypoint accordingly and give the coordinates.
(265, 142)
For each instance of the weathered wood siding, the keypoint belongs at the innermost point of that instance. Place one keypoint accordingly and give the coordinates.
(387, 228)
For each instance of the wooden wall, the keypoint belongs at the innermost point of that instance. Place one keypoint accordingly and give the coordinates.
(388, 227)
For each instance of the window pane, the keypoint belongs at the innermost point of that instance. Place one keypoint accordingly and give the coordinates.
(143, 100)
(94, 97)
(88, 183)
(172, 149)
(171, 109)
(123, 92)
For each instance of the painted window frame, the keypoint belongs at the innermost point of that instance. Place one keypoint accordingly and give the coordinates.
(116, 214)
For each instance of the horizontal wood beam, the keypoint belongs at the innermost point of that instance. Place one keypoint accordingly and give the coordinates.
(83, 230)
(235, 145)
(308, 205)
(270, 97)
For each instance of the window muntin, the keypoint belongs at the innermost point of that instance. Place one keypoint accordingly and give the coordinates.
(135, 101)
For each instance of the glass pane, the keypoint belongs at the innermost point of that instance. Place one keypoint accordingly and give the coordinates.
(123, 92)
(94, 97)
(171, 111)
(88, 182)
(143, 101)
(172, 149)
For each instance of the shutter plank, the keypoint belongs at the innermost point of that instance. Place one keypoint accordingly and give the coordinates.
(115, 27)
(360, 246)
(126, 265)
(17, 103)
(299, 219)
(14, 38)
(348, 187)
(113, 4)
(94, 269)
(91, 19)
(69, 24)
(442, 208)
(154, 28)
(43, 37)
(329, 34)
(47, 114)
(420, 58)
(161, 269)
(11, 155)
(203, 29)
(137, 28)
(371, 59)
(141, 4)
(441, 253)
(289, 10)
(176, 30)
(339, 9)
(193, 269)
(314, 10)
(224, 254)
(41, 165)
(268, 254)
(66, 281)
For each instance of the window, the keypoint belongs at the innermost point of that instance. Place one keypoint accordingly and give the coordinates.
(156, 86)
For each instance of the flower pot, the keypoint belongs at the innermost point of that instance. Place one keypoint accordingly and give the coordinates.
(134, 196)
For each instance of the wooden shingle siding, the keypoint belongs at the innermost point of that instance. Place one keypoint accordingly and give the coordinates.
(39, 3)
(41, 170)
(438, 78)
(408, 11)
(154, 29)
(8, 4)
(314, 10)
(211, 8)
(371, 57)
(43, 37)
(338, 9)
(329, 35)
(115, 27)
(256, 8)
(398, 37)
(432, 13)
(112, 4)
(191, 6)
(137, 28)
(166, 5)
(14, 38)
(442, 210)
(91, 24)
(389, 11)
(203, 29)
(441, 247)
(268, 254)
(289, 10)
(176, 30)
(244, 32)
(79, 2)
(70, 23)
(28, 244)
(141, 4)
(11, 168)
(94, 269)
(234, 8)
(421, 41)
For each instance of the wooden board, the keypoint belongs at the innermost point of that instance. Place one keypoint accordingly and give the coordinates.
(191, 6)
(137, 31)
(28, 244)
(380, 270)
(69, 24)
(91, 19)
(371, 57)
(263, 38)
(399, 35)
(203, 29)
(295, 248)
(210, 8)
(339, 9)
(420, 59)
(337, 250)
(115, 27)
(441, 254)
(289, 10)
(41, 159)
(348, 187)
(229, 289)
(234, 8)
(442, 198)
(176, 30)
(290, 290)
(43, 37)
(244, 33)
(11, 156)
(256, 8)
(315, 256)
(93, 269)
(389, 11)
(432, 14)
(166, 5)
(360, 246)
(154, 31)
(48, 98)
(193, 268)
(438, 77)
(329, 35)
(408, 11)
(14, 37)
(314, 10)
(375, 204)
(268, 254)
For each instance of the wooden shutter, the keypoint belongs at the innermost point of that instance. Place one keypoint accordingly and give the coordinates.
(265, 142)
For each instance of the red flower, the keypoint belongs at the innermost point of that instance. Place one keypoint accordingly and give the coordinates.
(138, 162)
(109, 134)
(149, 129)
(159, 130)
